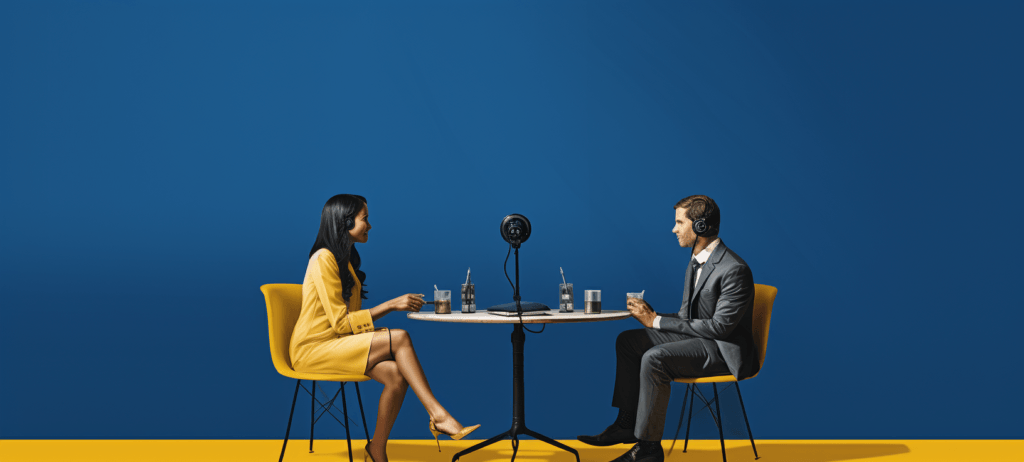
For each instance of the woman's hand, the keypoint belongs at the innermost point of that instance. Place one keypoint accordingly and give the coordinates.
(407, 302)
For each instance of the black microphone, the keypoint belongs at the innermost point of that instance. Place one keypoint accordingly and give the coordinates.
(515, 229)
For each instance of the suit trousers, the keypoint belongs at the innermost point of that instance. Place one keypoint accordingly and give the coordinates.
(646, 362)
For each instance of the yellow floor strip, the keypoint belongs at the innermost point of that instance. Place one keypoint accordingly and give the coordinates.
(529, 451)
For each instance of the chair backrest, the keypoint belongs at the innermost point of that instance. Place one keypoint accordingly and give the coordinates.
(284, 302)
(764, 298)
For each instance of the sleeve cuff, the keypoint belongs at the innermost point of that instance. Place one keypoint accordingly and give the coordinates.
(361, 321)
(657, 322)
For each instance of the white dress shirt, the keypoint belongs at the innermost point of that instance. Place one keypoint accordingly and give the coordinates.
(701, 257)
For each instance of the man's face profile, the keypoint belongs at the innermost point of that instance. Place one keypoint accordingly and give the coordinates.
(684, 229)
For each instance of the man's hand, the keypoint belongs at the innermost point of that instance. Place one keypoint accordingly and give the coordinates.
(641, 311)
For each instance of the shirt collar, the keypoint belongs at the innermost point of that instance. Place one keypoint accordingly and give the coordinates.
(705, 254)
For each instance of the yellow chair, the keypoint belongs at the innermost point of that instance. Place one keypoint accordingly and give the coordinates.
(764, 298)
(284, 301)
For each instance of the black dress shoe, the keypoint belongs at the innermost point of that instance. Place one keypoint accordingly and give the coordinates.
(612, 435)
(643, 452)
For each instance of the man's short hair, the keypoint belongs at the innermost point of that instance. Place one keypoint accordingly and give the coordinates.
(697, 205)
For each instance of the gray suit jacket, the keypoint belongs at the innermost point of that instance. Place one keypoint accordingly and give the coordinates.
(722, 310)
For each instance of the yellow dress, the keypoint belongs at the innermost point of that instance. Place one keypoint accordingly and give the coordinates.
(332, 335)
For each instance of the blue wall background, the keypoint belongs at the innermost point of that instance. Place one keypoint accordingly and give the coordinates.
(160, 161)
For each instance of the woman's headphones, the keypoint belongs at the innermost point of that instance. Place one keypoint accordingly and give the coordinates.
(701, 227)
(349, 224)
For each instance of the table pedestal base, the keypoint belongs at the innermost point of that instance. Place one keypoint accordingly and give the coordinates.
(518, 406)
(514, 433)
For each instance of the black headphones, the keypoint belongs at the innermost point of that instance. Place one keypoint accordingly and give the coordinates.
(701, 227)
(349, 224)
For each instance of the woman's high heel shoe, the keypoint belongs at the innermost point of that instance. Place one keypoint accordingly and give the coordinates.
(458, 436)
(366, 453)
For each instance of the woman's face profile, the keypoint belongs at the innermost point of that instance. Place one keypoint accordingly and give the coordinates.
(360, 232)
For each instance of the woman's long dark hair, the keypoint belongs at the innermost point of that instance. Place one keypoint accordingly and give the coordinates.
(337, 218)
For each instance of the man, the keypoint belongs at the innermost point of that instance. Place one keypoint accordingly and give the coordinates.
(711, 335)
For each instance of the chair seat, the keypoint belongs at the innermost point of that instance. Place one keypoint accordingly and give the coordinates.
(715, 379)
(323, 377)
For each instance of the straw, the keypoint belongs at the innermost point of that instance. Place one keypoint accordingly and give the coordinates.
(467, 275)
(642, 293)
(563, 276)
(435, 287)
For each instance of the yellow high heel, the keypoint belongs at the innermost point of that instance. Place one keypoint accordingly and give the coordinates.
(458, 436)
(366, 453)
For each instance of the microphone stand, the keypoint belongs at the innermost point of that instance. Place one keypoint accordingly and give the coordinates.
(515, 296)
(518, 391)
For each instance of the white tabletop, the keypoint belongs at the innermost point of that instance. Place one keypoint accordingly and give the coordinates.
(552, 317)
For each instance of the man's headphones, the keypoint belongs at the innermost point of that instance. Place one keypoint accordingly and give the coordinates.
(701, 227)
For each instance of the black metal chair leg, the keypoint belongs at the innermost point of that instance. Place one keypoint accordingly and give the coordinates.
(744, 409)
(312, 415)
(688, 419)
(678, 427)
(327, 405)
(721, 436)
(361, 413)
(290, 414)
(515, 448)
(707, 404)
(344, 410)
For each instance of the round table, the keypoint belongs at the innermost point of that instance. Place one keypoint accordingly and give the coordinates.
(552, 317)
(518, 383)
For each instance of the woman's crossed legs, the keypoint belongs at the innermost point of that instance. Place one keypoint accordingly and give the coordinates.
(392, 361)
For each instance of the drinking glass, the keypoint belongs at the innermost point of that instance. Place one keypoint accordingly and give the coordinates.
(592, 302)
(443, 301)
(565, 298)
(468, 298)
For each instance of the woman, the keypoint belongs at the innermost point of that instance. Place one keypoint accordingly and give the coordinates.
(334, 334)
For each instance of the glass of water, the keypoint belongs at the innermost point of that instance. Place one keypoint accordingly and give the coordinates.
(565, 298)
(468, 298)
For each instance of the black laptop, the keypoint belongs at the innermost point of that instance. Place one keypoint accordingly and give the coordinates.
(529, 309)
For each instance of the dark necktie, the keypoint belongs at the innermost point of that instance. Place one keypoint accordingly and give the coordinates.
(694, 266)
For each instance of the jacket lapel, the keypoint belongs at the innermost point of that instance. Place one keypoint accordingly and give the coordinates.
(706, 270)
